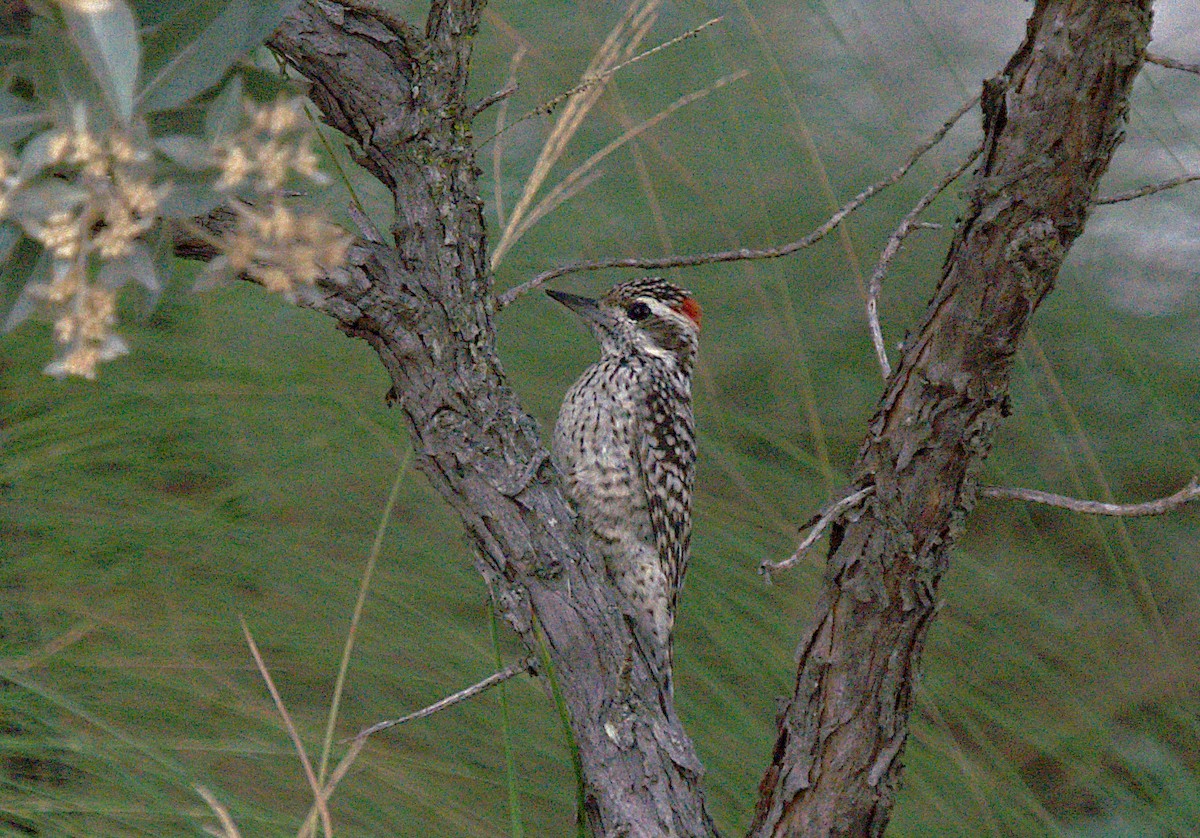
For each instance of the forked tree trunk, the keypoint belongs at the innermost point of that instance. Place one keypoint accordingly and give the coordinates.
(1052, 120)
(426, 306)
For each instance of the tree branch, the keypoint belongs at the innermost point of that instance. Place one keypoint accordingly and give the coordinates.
(835, 511)
(1146, 190)
(1171, 63)
(1052, 120)
(510, 671)
(820, 521)
(744, 253)
(907, 225)
(1161, 506)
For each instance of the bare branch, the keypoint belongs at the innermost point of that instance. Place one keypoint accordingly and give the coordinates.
(359, 741)
(500, 677)
(1172, 64)
(491, 99)
(1146, 190)
(907, 225)
(746, 253)
(819, 523)
(1161, 506)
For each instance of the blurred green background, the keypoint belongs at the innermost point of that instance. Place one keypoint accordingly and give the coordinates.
(238, 462)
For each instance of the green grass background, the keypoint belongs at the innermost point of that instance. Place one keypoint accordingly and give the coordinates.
(238, 461)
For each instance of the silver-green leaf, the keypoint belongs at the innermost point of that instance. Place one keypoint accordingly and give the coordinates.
(107, 37)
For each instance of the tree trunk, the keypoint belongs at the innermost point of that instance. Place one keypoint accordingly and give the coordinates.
(426, 306)
(1052, 120)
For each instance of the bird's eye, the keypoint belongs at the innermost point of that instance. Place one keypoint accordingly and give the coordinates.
(638, 311)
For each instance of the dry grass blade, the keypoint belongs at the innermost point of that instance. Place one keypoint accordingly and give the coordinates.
(356, 616)
(339, 773)
(586, 171)
(309, 774)
(68, 638)
(621, 44)
(501, 115)
(228, 827)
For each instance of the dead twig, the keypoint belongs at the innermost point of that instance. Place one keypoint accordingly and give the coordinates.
(1161, 506)
(500, 677)
(746, 253)
(1172, 64)
(1150, 189)
(908, 225)
(819, 523)
(359, 740)
(491, 99)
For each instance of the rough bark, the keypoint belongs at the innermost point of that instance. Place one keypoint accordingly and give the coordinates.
(426, 306)
(1052, 120)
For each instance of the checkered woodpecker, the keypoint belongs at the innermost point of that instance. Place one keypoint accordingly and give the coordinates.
(625, 442)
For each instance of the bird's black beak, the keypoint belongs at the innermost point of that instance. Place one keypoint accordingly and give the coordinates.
(585, 307)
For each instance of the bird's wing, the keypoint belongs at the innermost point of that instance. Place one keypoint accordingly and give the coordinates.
(668, 457)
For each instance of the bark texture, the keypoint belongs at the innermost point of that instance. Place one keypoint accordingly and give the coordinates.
(426, 306)
(1052, 120)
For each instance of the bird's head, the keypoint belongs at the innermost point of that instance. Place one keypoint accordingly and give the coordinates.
(647, 316)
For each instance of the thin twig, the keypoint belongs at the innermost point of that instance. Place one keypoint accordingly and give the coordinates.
(222, 813)
(309, 774)
(1188, 493)
(500, 677)
(821, 520)
(907, 225)
(491, 99)
(745, 253)
(592, 80)
(359, 741)
(1146, 190)
(1172, 64)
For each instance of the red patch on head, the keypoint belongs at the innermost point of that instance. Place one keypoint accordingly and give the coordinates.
(690, 309)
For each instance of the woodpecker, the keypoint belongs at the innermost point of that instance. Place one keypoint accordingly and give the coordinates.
(625, 442)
